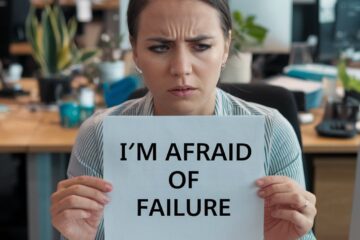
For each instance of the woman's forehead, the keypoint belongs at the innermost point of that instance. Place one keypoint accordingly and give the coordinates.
(179, 17)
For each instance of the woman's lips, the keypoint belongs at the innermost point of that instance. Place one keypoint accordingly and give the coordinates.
(183, 91)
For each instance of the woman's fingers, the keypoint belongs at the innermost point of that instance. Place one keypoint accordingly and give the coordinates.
(275, 188)
(71, 214)
(269, 180)
(295, 201)
(80, 190)
(301, 222)
(89, 181)
(76, 202)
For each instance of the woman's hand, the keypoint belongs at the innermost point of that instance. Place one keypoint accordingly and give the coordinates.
(77, 206)
(289, 209)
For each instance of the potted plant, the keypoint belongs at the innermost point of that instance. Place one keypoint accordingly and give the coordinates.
(350, 83)
(111, 67)
(246, 34)
(54, 49)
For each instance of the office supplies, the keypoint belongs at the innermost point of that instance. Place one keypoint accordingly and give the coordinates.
(339, 120)
(308, 94)
(355, 218)
(7, 90)
(83, 10)
(317, 72)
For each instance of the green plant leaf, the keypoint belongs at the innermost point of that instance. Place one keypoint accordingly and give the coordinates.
(49, 43)
(87, 55)
(354, 84)
(72, 27)
(246, 32)
(342, 74)
(237, 17)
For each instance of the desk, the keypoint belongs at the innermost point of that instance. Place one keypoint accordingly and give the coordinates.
(40, 136)
(334, 173)
(314, 144)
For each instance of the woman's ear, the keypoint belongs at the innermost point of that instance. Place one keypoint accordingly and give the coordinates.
(134, 49)
(135, 55)
(227, 47)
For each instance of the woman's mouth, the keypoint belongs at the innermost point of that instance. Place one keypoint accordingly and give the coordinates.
(182, 91)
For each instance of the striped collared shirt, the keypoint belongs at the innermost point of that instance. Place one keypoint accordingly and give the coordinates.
(282, 150)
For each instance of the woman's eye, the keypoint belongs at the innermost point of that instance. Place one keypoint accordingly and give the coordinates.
(202, 47)
(159, 48)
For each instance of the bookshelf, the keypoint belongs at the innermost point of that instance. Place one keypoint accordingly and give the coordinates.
(96, 5)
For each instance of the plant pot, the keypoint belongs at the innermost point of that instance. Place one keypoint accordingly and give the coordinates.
(112, 71)
(237, 69)
(352, 96)
(52, 89)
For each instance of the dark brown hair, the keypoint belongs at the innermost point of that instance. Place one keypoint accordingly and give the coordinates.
(137, 6)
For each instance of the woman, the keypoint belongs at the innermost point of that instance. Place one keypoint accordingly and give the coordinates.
(180, 46)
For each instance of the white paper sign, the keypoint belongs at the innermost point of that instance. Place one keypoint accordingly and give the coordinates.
(177, 178)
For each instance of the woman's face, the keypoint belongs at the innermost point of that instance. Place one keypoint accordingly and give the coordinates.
(180, 48)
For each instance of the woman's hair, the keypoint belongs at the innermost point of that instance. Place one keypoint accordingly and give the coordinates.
(137, 6)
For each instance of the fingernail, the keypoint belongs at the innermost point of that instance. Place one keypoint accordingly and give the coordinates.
(261, 193)
(106, 200)
(260, 182)
(108, 187)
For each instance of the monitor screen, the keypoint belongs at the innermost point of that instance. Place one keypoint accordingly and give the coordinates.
(339, 27)
(275, 15)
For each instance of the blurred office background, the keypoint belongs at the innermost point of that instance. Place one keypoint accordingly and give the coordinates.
(321, 29)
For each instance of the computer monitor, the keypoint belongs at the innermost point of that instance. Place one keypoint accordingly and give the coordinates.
(339, 27)
(355, 219)
(276, 16)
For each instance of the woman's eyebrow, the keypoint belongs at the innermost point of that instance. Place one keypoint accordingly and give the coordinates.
(167, 40)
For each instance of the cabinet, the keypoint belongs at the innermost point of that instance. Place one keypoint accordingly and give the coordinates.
(334, 184)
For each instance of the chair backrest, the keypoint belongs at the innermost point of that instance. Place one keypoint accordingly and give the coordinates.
(272, 96)
(355, 216)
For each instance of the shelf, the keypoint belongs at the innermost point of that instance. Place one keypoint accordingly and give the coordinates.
(21, 48)
(97, 5)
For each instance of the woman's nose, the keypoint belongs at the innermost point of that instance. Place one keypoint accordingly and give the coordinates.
(181, 63)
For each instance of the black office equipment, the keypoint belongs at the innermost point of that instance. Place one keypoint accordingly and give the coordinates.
(5, 25)
(339, 120)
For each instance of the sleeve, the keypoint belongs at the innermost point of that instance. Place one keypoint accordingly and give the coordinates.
(285, 155)
(87, 157)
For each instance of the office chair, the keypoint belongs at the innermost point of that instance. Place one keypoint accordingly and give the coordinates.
(272, 96)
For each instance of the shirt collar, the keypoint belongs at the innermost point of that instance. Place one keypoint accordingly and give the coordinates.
(148, 109)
